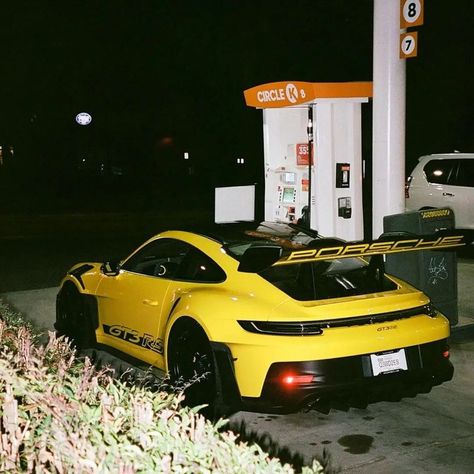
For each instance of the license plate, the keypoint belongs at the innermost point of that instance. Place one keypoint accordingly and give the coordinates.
(388, 362)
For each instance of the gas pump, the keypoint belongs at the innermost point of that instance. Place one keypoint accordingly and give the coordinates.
(286, 167)
(313, 153)
(287, 196)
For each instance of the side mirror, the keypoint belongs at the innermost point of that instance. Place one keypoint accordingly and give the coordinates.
(110, 268)
(257, 258)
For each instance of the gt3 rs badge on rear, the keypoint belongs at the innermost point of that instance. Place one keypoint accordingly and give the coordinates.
(387, 328)
(134, 337)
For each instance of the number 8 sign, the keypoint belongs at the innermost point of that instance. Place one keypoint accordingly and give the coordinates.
(411, 13)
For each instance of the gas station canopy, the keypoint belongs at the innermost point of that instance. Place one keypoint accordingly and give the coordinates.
(291, 93)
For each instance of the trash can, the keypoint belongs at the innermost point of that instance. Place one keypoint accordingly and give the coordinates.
(433, 272)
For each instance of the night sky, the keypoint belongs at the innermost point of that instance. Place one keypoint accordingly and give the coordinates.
(163, 77)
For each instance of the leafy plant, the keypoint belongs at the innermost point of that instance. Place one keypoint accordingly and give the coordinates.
(59, 414)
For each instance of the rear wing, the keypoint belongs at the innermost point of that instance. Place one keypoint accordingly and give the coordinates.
(330, 249)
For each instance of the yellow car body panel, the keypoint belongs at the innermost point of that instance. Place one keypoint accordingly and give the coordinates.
(254, 353)
(254, 358)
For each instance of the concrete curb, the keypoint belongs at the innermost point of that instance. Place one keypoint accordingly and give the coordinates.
(462, 334)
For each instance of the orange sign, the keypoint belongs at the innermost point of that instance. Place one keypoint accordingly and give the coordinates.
(302, 155)
(411, 13)
(286, 94)
(279, 94)
(408, 45)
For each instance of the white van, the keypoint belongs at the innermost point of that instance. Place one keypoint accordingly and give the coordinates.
(444, 180)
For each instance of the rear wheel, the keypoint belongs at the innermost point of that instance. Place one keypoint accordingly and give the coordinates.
(73, 319)
(191, 365)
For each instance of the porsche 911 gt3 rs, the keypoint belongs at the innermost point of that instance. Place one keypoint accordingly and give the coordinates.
(268, 317)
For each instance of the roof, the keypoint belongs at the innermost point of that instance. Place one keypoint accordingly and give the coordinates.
(444, 156)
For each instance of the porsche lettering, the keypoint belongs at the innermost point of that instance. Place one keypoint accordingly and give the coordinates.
(368, 249)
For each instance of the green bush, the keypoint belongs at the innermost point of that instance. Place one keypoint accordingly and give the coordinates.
(61, 415)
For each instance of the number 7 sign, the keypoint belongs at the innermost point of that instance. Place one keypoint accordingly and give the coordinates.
(408, 45)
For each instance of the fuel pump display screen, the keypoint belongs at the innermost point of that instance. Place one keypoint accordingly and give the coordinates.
(288, 195)
(288, 178)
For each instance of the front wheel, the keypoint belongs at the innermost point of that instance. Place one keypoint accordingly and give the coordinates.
(73, 318)
(191, 366)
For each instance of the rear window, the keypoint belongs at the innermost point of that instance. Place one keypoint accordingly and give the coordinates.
(328, 279)
(465, 175)
(440, 171)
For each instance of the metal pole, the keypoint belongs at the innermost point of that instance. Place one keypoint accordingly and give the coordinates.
(388, 156)
(310, 160)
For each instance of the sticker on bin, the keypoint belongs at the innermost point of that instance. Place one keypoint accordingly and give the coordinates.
(388, 362)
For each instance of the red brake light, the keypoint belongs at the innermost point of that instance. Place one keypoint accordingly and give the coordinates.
(446, 354)
(407, 187)
(292, 380)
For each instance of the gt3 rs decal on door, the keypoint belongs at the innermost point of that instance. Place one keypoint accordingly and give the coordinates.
(134, 337)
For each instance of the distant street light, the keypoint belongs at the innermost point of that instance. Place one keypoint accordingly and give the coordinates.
(83, 118)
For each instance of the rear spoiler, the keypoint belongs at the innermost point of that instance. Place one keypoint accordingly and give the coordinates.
(330, 249)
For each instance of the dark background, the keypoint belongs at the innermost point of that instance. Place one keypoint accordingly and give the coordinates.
(164, 77)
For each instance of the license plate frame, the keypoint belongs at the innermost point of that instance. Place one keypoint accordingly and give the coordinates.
(388, 362)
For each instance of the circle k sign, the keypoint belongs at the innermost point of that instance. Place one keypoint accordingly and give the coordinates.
(279, 94)
(287, 94)
(292, 93)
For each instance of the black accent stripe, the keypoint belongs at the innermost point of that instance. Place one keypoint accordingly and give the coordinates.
(379, 318)
(312, 328)
(172, 308)
(77, 272)
(137, 363)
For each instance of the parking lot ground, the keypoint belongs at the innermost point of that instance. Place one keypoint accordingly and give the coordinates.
(430, 433)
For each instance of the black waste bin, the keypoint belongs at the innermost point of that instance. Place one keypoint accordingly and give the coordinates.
(433, 272)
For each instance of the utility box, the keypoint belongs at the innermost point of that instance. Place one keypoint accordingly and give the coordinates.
(433, 272)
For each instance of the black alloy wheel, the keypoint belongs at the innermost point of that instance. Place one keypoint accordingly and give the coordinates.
(192, 368)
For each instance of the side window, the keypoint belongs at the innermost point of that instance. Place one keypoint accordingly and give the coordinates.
(198, 267)
(465, 174)
(160, 258)
(440, 171)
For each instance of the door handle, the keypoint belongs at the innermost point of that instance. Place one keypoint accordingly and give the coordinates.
(150, 302)
(448, 194)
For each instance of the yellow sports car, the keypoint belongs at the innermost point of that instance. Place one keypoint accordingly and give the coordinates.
(268, 318)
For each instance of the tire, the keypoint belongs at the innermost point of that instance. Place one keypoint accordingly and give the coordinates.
(73, 319)
(191, 366)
